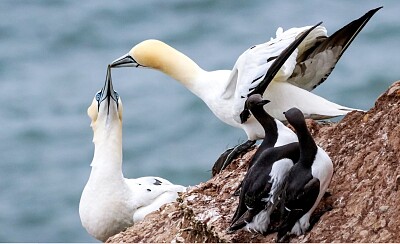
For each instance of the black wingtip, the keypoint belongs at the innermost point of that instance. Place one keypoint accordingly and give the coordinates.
(370, 13)
(278, 62)
(342, 37)
(355, 26)
(275, 67)
(376, 9)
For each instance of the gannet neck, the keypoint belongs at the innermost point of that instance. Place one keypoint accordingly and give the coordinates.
(158, 55)
(107, 141)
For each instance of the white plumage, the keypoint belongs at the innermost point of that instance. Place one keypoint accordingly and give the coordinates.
(225, 91)
(109, 202)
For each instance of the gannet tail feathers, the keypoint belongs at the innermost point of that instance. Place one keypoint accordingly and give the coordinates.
(312, 105)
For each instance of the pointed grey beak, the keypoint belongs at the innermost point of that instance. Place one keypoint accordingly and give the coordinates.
(108, 92)
(124, 61)
(263, 102)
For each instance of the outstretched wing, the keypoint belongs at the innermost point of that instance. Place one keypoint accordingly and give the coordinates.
(252, 65)
(317, 62)
(261, 64)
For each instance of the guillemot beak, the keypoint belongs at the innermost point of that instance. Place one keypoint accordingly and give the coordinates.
(108, 92)
(263, 102)
(124, 61)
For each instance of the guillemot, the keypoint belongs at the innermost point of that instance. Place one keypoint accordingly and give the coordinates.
(268, 169)
(109, 202)
(307, 180)
(225, 91)
(277, 133)
(262, 187)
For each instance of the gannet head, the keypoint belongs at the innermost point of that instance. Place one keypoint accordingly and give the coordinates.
(106, 107)
(148, 53)
(255, 100)
(160, 56)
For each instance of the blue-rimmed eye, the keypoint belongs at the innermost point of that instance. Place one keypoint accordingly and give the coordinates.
(98, 96)
(116, 95)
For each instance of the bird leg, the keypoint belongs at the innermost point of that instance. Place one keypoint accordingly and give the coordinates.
(227, 157)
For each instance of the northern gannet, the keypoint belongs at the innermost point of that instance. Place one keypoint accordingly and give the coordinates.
(225, 91)
(306, 182)
(268, 169)
(109, 202)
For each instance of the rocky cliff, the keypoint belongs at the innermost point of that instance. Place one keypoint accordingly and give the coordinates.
(364, 199)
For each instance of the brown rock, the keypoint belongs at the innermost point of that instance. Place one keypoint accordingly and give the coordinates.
(365, 195)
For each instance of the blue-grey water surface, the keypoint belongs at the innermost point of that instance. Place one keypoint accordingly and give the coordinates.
(53, 58)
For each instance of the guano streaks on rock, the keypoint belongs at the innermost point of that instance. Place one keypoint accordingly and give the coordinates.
(365, 188)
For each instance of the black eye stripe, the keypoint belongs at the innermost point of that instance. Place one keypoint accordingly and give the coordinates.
(100, 94)
(98, 97)
(116, 95)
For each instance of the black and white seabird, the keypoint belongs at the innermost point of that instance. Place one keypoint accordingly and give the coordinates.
(267, 170)
(262, 186)
(306, 182)
(110, 203)
(225, 91)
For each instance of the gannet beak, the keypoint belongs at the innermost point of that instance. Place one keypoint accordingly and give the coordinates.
(124, 61)
(108, 92)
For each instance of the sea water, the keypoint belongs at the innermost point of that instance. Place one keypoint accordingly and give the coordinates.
(53, 59)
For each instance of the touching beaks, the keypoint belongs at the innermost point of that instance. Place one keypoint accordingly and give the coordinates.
(124, 61)
(108, 92)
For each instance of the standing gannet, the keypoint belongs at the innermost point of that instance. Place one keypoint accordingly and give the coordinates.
(268, 168)
(306, 182)
(225, 91)
(109, 202)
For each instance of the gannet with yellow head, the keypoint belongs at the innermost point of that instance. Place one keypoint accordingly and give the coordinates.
(109, 202)
(225, 91)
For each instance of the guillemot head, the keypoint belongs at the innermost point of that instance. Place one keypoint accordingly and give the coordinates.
(106, 106)
(144, 54)
(296, 118)
(255, 100)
